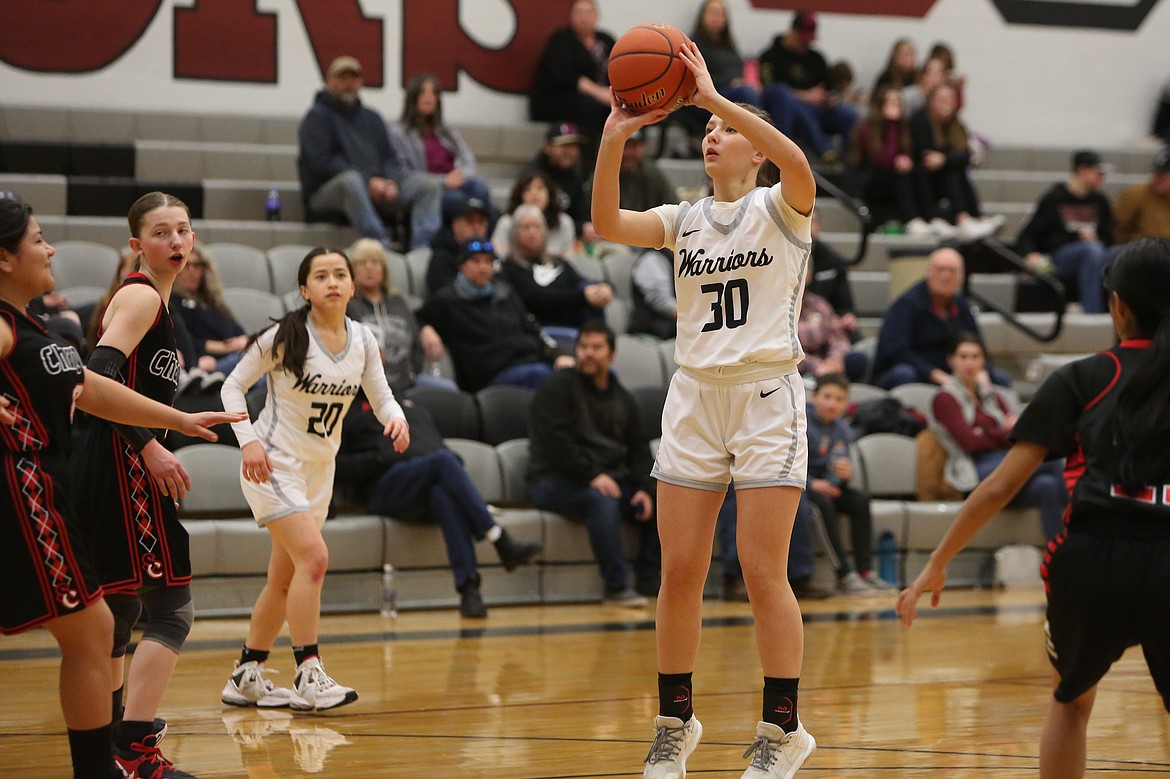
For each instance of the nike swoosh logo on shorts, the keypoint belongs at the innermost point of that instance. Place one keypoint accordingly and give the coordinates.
(769, 392)
(689, 232)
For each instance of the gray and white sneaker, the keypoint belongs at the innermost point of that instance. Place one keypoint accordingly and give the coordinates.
(248, 686)
(674, 741)
(776, 754)
(318, 689)
(878, 583)
(852, 584)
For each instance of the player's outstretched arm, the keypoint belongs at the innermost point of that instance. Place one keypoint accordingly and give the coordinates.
(988, 499)
(613, 223)
(800, 188)
(103, 397)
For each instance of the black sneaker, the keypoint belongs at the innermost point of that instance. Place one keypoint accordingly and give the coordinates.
(513, 553)
(144, 760)
(471, 601)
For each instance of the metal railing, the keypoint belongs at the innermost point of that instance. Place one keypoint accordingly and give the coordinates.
(857, 209)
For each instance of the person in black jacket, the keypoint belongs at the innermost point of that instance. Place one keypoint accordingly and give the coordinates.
(571, 82)
(590, 461)
(1070, 230)
(347, 165)
(425, 483)
(468, 220)
(489, 333)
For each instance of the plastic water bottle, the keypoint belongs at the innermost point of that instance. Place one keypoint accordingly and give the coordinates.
(272, 205)
(887, 557)
(389, 592)
(839, 452)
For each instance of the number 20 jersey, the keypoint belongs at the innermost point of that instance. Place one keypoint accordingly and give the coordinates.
(739, 277)
(302, 417)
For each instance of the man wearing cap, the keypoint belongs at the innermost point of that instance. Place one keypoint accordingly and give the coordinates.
(560, 159)
(642, 184)
(1143, 210)
(491, 337)
(469, 220)
(791, 61)
(1070, 229)
(348, 167)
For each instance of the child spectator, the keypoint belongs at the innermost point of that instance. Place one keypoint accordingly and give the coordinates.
(830, 470)
(882, 150)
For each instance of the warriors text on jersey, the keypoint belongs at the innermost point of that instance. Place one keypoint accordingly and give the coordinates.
(739, 276)
(302, 417)
(44, 574)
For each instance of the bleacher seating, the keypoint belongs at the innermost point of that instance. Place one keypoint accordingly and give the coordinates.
(224, 167)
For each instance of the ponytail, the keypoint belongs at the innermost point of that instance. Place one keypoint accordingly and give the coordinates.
(1140, 276)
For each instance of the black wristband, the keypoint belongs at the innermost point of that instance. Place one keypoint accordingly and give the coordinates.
(108, 361)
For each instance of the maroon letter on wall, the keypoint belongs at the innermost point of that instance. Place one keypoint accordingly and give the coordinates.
(435, 43)
(71, 36)
(337, 27)
(914, 8)
(225, 40)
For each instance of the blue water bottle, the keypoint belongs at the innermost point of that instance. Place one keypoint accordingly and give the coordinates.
(272, 205)
(887, 557)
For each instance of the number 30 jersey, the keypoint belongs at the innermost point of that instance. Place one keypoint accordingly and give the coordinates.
(302, 417)
(739, 277)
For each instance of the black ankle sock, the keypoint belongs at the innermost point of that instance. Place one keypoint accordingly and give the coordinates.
(253, 655)
(674, 696)
(92, 753)
(132, 732)
(116, 707)
(780, 702)
(302, 653)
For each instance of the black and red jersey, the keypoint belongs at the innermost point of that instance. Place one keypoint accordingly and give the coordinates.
(39, 378)
(1072, 415)
(152, 369)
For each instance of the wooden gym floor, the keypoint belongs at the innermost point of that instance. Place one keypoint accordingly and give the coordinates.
(568, 691)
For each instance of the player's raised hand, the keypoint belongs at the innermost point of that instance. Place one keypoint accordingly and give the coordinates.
(705, 91)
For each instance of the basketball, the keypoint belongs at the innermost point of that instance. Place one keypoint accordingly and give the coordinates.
(646, 71)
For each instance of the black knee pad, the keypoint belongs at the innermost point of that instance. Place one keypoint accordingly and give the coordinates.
(127, 609)
(169, 614)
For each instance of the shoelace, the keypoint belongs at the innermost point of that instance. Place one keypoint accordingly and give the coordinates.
(319, 679)
(262, 675)
(152, 752)
(667, 742)
(764, 752)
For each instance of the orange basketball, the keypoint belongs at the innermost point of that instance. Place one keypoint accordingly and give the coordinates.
(645, 69)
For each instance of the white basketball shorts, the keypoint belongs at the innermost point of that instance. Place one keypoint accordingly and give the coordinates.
(292, 487)
(753, 432)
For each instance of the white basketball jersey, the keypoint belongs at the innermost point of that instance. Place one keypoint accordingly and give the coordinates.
(739, 277)
(302, 417)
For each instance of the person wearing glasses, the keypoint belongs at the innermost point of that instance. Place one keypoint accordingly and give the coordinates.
(491, 336)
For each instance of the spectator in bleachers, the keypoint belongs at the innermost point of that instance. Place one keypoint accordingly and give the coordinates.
(483, 323)
(973, 422)
(921, 324)
(881, 149)
(54, 312)
(655, 306)
(198, 293)
(712, 33)
(946, 55)
(348, 167)
(642, 183)
(550, 287)
(901, 68)
(942, 157)
(380, 307)
(571, 81)
(1143, 210)
(1070, 229)
(426, 145)
(830, 279)
(843, 90)
(915, 94)
(590, 461)
(792, 62)
(469, 219)
(534, 187)
(826, 344)
(830, 487)
(560, 159)
(1162, 114)
(425, 483)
